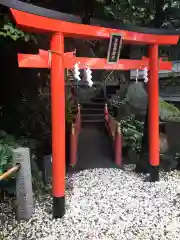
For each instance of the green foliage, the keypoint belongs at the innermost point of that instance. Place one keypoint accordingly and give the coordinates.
(6, 156)
(9, 29)
(35, 117)
(132, 131)
(131, 11)
(143, 12)
(168, 111)
(7, 143)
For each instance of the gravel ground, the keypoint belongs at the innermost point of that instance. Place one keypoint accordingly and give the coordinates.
(105, 204)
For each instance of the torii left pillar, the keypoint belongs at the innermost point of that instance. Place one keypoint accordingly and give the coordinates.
(58, 124)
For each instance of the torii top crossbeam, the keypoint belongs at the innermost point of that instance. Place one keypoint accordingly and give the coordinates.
(60, 25)
(40, 19)
(38, 23)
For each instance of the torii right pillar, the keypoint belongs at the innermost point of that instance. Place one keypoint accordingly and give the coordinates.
(153, 98)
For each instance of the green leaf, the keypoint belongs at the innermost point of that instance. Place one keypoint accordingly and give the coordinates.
(14, 37)
(6, 27)
(3, 34)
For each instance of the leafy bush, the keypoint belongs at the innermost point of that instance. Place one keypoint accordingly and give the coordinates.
(132, 131)
(7, 143)
(168, 111)
(5, 157)
(9, 29)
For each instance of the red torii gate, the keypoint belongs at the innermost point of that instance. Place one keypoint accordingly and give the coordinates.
(60, 60)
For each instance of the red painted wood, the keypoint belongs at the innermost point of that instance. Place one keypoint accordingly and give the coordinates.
(37, 23)
(153, 103)
(123, 64)
(58, 116)
(41, 60)
(79, 119)
(118, 149)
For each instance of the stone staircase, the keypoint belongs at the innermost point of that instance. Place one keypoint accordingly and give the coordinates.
(92, 101)
(92, 112)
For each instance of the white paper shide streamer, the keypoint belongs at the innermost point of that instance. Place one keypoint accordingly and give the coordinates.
(145, 73)
(77, 72)
(88, 76)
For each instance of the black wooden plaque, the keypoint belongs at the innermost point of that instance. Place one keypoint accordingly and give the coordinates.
(114, 48)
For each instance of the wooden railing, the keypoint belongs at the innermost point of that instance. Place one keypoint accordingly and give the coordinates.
(75, 131)
(114, 130)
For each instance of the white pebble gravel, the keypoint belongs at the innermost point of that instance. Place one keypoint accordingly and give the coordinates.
(104, 204)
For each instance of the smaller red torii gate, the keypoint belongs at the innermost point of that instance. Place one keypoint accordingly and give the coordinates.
(57, 60)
